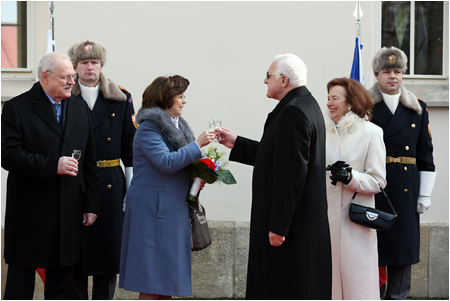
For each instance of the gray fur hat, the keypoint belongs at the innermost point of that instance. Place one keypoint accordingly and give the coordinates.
(389, 58)
(87, 50)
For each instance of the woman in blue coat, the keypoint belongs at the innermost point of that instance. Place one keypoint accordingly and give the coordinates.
(156, 242)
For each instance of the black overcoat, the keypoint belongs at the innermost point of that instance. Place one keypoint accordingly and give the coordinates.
(44, 210)
(289, 199)
(112, 121)
(406, 134)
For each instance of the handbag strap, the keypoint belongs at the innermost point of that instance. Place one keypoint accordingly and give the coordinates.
(387, 198)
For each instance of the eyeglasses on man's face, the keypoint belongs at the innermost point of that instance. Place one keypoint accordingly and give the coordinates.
(66, 78)
(269, 74)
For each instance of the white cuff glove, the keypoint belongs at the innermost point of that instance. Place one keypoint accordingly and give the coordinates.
(423, 203)
(427, 179)
(128, 177)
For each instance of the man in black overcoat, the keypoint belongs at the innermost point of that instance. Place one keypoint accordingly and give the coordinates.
(409, 169)
(290, 251)
(112, 115)
(50, 195)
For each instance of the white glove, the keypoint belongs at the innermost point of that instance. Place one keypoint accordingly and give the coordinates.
(423, 203)
(427, 179)
(128, 177)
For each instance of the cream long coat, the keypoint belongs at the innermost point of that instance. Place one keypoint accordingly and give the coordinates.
(354, 248)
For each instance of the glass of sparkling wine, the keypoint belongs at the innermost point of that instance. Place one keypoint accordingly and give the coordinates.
(215, 124)
(76, 154)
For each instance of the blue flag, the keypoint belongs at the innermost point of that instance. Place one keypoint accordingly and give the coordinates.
(357, 72)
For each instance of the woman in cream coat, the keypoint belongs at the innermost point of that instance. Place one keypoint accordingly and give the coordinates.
(358, 142)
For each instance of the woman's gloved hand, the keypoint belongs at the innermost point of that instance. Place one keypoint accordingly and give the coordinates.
(340, 172)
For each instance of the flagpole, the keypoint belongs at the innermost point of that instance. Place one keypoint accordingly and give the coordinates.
(357, 72)
(358, 20)
(51, 30)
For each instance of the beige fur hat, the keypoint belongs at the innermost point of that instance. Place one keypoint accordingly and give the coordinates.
(87, 50)
(389, 58)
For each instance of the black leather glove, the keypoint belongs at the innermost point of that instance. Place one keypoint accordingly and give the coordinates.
(340, 172)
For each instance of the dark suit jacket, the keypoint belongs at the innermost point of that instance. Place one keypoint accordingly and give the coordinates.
(289, 199)
(44, 210)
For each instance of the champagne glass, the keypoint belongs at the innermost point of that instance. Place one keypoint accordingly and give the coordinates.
(76, 154)
(215, 124)
(218, 123)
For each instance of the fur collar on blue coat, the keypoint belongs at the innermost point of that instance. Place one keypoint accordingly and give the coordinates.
(157, 116)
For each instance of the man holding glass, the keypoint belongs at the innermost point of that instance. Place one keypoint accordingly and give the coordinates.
(50, 195)
(290, 251)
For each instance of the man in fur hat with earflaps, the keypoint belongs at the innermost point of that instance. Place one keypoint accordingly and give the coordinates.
(112, 115)
(409, 167)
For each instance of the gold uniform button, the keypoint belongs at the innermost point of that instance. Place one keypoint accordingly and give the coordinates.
(405, 168)
(413, 126)
(405, 190)
(113, 115)
(109, 186)
(407, 148)
(108, 139)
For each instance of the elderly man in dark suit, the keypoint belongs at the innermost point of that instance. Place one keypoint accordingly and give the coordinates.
(290, 252)
(50, 195)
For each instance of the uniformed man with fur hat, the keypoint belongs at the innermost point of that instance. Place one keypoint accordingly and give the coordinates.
(112, 115)
(409, 167)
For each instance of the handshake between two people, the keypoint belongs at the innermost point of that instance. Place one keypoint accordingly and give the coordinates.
(340, 172)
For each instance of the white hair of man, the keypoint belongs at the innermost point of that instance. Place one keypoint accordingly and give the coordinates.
(47, 62)
(293, 67)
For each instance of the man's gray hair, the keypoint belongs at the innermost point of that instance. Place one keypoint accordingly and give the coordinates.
(293, 67)
(47, 62)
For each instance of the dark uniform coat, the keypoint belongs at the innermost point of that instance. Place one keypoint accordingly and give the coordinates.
(44, 210)
(406, 134)
(289, 199)
(114, 132)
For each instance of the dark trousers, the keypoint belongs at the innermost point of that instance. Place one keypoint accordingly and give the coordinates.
(20, 283)
(398, 283)
(103, 287)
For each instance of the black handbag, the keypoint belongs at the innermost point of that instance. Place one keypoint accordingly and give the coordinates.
(200, 236)
(371, 217)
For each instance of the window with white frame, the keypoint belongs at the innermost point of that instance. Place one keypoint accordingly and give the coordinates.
(417, 28)
(14, 34)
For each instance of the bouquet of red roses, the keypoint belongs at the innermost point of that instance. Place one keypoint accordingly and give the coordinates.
(211, 169)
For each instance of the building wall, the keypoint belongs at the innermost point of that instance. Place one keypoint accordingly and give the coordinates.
(225, 49)
(220, 271)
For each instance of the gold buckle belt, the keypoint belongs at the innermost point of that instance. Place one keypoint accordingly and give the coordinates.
(401, 160)
(108, 163)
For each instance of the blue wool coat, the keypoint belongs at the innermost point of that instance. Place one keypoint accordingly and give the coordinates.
(156, 242)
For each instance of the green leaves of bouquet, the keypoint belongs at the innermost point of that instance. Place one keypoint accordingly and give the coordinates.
(211, 168)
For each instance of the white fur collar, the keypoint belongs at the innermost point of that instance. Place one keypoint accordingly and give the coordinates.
(407, 99)
(347, 124)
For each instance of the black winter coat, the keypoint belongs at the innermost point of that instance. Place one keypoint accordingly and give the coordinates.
(44, 210)
(406, 134)
(289, 199)
(112, 122)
